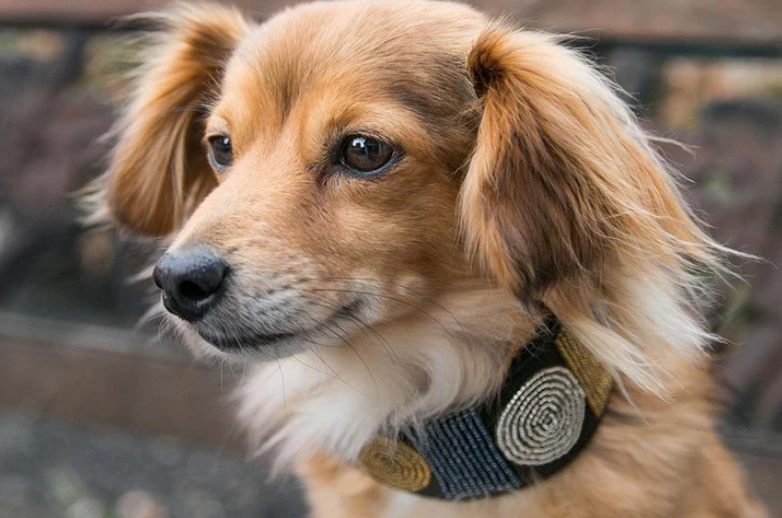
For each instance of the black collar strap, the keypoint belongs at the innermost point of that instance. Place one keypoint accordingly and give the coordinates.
(549, 407)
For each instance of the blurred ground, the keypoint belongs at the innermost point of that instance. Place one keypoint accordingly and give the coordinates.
(765, 472)
(53, 469)
(50, 468)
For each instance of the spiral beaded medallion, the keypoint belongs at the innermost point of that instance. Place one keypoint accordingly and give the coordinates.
(395, 464)
(543, 420)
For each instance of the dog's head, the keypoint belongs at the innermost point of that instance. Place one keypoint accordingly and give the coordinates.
(341, 161)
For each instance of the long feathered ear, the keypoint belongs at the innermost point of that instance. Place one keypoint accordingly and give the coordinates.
(566, 204)
(563, 183)
(158, 171)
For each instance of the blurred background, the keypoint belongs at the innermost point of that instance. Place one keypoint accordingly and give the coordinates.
(101, 417)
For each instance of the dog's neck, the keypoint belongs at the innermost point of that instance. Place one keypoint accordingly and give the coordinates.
(386, 408)
(548, 408)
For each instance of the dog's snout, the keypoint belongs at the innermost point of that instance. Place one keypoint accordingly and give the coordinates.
(191, 280)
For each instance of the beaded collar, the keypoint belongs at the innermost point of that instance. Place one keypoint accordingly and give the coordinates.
(550, 405)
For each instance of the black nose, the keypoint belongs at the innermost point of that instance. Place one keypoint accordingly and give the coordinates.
(191, 281)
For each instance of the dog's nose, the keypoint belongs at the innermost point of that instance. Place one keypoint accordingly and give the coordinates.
(191, 280)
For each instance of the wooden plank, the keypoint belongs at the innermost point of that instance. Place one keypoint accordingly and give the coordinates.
(697, 22)
(118, 388)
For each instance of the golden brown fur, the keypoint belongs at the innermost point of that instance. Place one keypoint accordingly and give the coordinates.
(524, 186)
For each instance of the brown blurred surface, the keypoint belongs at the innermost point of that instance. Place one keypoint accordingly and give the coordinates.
(736, 21)
(123, 389)
(765, 472)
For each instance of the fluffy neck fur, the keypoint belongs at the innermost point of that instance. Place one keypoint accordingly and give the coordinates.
(446, 354)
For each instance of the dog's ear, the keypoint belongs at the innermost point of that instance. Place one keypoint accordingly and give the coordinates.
(158, 171)
(562, 183)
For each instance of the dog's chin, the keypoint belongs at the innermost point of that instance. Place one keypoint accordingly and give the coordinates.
(258, 346)
(250, 340)
(249, 343)
(242, 346)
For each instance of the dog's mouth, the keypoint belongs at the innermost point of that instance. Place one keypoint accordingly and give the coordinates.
(246, 339)
(226, 341)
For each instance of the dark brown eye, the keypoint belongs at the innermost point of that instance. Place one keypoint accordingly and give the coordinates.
(221, 152)
(365, 155)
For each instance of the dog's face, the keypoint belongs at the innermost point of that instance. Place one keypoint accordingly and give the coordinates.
(336, 160)
(335, 154)
(341, 163)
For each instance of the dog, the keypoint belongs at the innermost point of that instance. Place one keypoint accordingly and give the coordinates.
(461, 280)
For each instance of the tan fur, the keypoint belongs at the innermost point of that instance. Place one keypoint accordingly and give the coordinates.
(158, 170)
(525, 186)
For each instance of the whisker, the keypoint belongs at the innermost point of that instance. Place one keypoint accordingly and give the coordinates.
(363, 326)
(375, 283)
(388, 297)
(332, 374)
(358, 355)
(282, 382)
(317, 353)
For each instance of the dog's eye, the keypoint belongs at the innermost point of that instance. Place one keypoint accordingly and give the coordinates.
(365, 155)
(220, 151)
